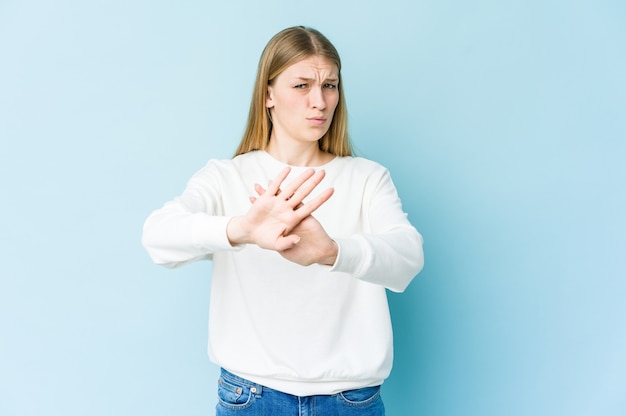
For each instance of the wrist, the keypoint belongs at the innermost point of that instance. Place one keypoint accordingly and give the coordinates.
(236, 231)
(331, 257)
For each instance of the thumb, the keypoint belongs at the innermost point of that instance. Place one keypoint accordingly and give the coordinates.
(287, 242)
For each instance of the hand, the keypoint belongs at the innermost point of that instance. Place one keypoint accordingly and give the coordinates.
(314, 246)
(275, 213)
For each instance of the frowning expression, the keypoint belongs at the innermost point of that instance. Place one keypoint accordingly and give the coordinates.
(302, 100)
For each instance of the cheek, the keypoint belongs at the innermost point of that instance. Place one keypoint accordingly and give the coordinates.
(295, 101)
(290, 101)
(334, 100)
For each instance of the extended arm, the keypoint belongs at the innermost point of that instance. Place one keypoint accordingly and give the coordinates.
(390, 252)
(194, 225)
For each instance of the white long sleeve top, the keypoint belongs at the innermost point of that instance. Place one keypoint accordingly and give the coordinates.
(301, 330)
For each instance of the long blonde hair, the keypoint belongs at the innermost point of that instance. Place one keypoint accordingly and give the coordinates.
(287, 47)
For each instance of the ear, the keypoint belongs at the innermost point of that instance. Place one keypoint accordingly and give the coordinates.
(269, 100)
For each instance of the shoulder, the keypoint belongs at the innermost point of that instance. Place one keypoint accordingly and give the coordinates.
(215, 166)
(235, 163)
(367, 164)
(359, 175)
(250, 167)
(253, 156)
(361, 166)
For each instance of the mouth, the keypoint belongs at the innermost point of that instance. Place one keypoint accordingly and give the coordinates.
(317, 121)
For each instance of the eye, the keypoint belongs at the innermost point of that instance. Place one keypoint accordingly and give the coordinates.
(330, 86)
(300, 86)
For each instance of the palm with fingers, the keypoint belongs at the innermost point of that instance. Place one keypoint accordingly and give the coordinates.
(278, 219)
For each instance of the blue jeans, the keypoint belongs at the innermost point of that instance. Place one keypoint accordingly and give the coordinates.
(241, 397)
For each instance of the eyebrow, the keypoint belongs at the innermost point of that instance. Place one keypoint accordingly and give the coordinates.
(313, 79)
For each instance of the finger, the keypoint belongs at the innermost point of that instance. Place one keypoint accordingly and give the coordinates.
(306, 188)
(304, 210)
(259, 189)
(274, 186)
(294, 185)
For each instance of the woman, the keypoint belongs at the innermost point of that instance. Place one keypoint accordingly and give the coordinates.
(304, 239)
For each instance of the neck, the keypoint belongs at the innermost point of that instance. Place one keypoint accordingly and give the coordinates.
(298, 154)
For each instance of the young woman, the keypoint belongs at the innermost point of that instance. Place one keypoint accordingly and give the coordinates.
(304, 238)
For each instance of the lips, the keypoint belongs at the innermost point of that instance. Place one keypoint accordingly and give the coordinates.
(318, 121)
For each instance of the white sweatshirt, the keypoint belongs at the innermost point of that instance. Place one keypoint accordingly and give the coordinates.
(301, 330)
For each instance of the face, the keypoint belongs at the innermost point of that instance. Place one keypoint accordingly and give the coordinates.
(302, 100)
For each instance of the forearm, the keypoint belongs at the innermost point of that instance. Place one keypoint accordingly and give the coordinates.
(173, 237)
(390, 259)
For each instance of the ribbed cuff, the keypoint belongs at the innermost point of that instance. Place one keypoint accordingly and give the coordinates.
(353, 256)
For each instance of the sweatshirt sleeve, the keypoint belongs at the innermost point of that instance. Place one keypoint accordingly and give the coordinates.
(192, 226)
(390, 253)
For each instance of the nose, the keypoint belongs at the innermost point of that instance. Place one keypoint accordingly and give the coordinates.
(317, 98)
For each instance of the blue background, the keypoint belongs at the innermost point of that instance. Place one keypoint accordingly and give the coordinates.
(503, 125)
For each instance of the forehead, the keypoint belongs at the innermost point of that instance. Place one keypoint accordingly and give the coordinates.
(312, 67)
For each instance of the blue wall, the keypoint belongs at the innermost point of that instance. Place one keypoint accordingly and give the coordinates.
(502, 123)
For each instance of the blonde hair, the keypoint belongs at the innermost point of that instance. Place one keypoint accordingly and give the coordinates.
(287, 47)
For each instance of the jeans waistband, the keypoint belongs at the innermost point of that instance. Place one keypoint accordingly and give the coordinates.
(255, 387)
